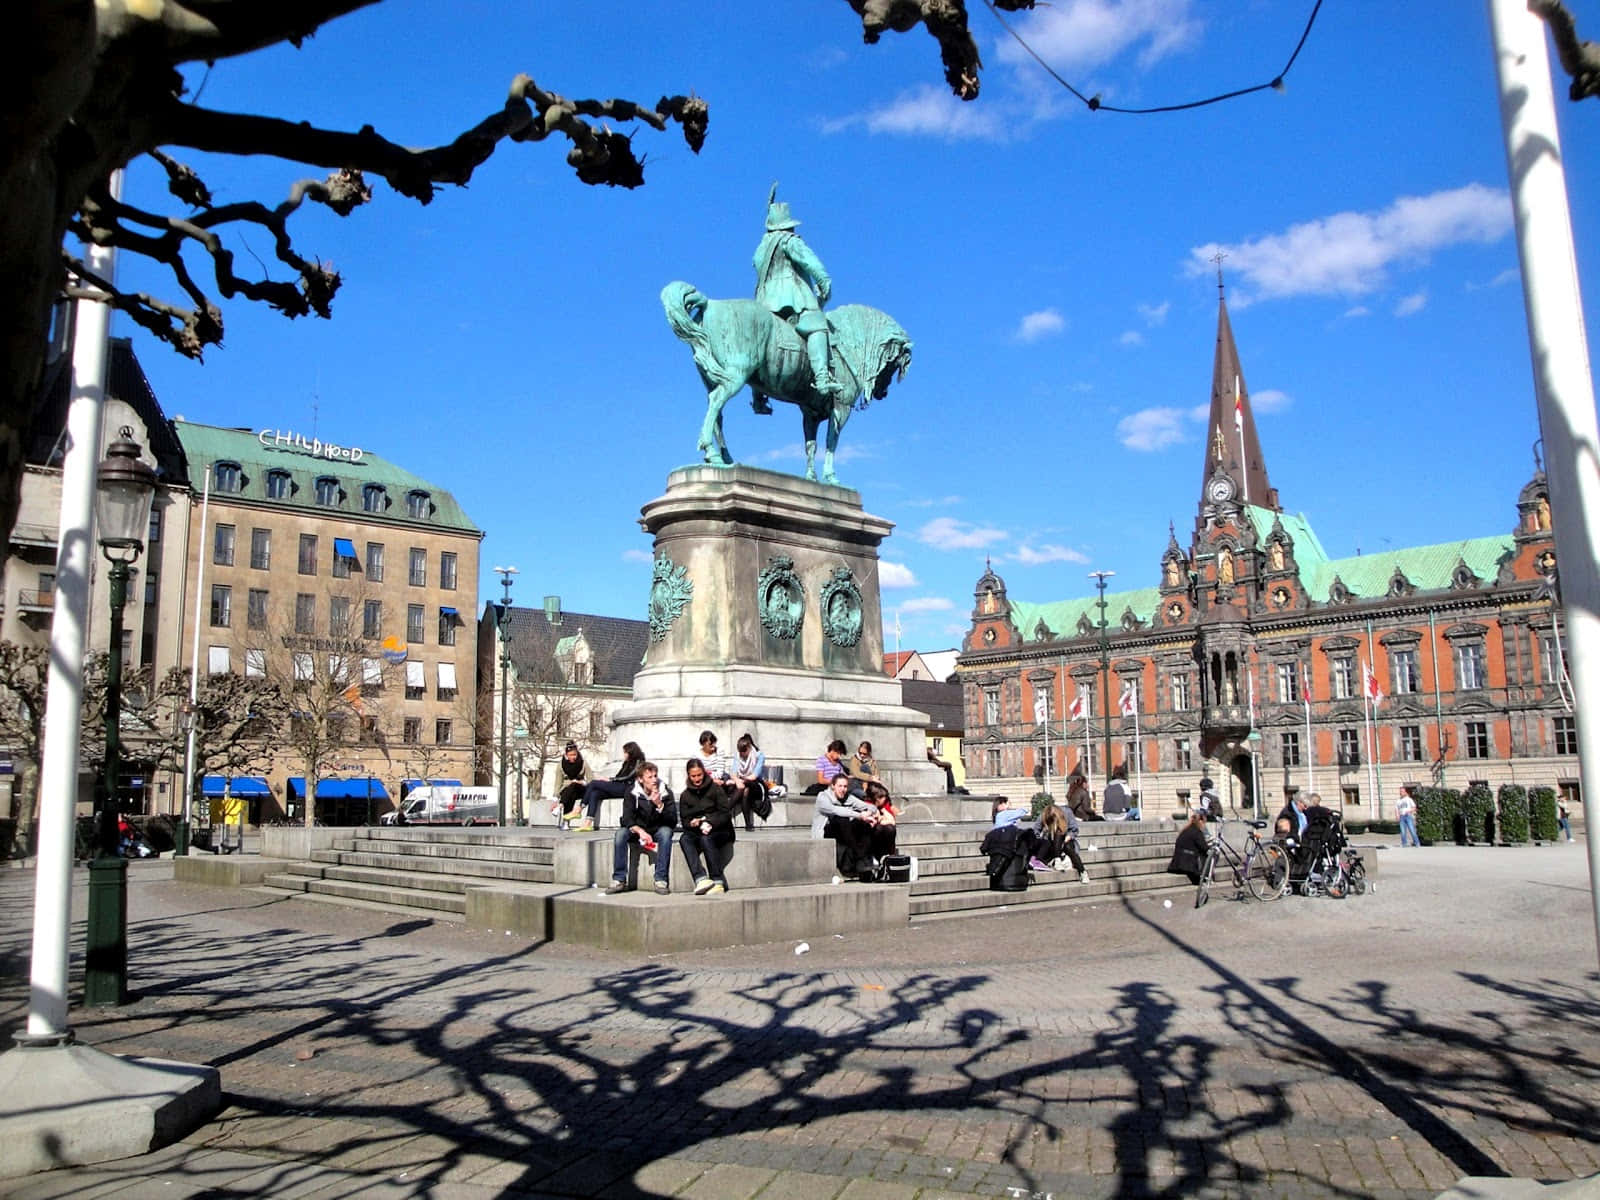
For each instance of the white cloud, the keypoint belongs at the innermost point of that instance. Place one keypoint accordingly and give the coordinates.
(947, 533)
(919, 604)
(1047, 322)
(895, 575)
(1153, 428)
(1077, 34)
(956, 630)
(1131, 337)
(1351, 253)
(1201, 413)
(1033, 556)
(1411, 305)
(927, 111)
(934, 502)
(637, 556)
(1359, 310)
(1269, 400)
(1154, 314)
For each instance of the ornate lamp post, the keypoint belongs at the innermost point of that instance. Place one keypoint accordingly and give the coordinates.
(122, 513)
(1100, 578)
(504, 622)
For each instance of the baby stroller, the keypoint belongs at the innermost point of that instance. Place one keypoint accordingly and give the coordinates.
(1323, 863)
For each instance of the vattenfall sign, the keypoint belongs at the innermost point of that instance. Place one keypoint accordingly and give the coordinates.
(296, 443)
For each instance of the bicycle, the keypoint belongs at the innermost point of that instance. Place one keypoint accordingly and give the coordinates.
(1263, 871)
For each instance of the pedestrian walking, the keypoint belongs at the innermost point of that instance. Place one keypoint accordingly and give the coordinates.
(1406, 809)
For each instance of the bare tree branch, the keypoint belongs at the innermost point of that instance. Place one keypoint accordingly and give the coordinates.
(946, 20)
(1581, 60)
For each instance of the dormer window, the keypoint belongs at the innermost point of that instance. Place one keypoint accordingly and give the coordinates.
(327, 491)
(278, 485)
(227, 477)
(374, 498)
(418, 505)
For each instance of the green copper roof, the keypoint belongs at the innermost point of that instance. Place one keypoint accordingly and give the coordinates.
(566, 646)
(1062, 616)
(1365, 576)
(306, 460)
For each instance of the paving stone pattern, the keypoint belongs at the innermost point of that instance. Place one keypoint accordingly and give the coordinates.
(1386, 1045)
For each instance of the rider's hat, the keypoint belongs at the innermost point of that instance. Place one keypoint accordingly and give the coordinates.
(778, 212)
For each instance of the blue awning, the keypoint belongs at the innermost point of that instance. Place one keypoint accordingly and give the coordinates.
(243, 785)
(340, 789)
(344, 547)
(408, 784)
(446, 611)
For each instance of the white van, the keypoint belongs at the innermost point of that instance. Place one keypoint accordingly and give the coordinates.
(448, 806)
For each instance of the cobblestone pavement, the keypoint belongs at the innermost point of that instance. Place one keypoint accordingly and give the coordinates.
(1386, 1045)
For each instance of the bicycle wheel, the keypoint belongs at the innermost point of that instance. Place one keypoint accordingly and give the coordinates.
(1202, 891)
(1358, 879)
(1267, 876)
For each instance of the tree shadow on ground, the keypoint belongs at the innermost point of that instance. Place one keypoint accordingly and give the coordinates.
(564, 1078)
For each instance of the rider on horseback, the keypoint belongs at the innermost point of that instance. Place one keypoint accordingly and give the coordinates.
(793, 285)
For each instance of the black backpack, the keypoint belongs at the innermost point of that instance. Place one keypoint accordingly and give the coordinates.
(1008, 848)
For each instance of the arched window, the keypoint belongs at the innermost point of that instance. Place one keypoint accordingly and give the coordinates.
(227, 477)
(327, 490)
(278, 485)
(418, 505)
(374, 498)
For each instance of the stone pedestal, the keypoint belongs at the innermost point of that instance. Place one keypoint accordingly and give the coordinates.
(765, 619)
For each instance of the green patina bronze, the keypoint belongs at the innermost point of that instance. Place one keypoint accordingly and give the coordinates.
(784, 346)
(780, 597)
(670, 591)
(841, 608)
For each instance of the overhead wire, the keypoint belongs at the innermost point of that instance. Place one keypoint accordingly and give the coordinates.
(1093, 103)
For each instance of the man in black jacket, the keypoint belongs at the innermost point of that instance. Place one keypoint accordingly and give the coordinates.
(649, 815)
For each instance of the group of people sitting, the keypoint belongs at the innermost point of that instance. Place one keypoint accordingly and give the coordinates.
(744, 779)
(700, 820)
(1049, 840)
(1289, 827)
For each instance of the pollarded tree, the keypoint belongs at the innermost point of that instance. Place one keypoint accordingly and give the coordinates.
(24, 674)
(94, 86)
(237, 718)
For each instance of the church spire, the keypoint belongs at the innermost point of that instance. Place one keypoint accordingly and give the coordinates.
(1232, 448)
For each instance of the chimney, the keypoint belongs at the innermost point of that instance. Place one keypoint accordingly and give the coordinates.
(552, 609)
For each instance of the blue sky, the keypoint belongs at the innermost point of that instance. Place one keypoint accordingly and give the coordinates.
(507, 341)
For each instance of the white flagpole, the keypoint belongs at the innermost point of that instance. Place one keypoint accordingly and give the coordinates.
(1366, 712)
(1311, 745)
(1375, 770)
(1047, 744)
(1088, 767)
(1255, 750)
(194, 654)
(1138, 746)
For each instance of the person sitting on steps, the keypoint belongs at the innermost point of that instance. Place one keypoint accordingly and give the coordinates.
(614, 788)
(707, 819)
(649, 815)
(1055, 838)
(574, 775)
(850, 822)
(828, 766)
(748, 785)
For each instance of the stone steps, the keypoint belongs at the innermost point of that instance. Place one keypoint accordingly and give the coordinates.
(530, 880)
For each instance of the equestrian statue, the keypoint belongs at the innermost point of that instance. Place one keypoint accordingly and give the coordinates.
(784, 346)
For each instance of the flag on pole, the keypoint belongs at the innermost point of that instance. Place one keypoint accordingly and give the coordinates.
(1128, 704)
(1238, 406)
(1369, 685)
(1078, 710)
(1250, 679)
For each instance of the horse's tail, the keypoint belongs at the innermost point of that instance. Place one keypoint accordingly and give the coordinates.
(685, 306)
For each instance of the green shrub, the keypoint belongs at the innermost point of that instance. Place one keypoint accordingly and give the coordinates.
(1365, 826)
(1542, 814)
(1436, 813)
(1513, 813)
(1040, 800)
(1477, 805)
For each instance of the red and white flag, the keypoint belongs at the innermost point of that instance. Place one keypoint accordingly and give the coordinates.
(1078, 710)
(1238, 406)
(1129, 702)
(1369, 685)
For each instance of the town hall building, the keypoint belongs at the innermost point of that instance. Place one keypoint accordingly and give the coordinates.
(1257, 659)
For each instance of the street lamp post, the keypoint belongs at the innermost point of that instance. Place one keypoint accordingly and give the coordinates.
(122, 504)
(504, 623)
(1100, 578)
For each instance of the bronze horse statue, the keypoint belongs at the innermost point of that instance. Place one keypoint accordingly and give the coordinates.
(738, 342)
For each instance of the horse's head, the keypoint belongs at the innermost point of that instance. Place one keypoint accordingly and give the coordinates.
(877, 349)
